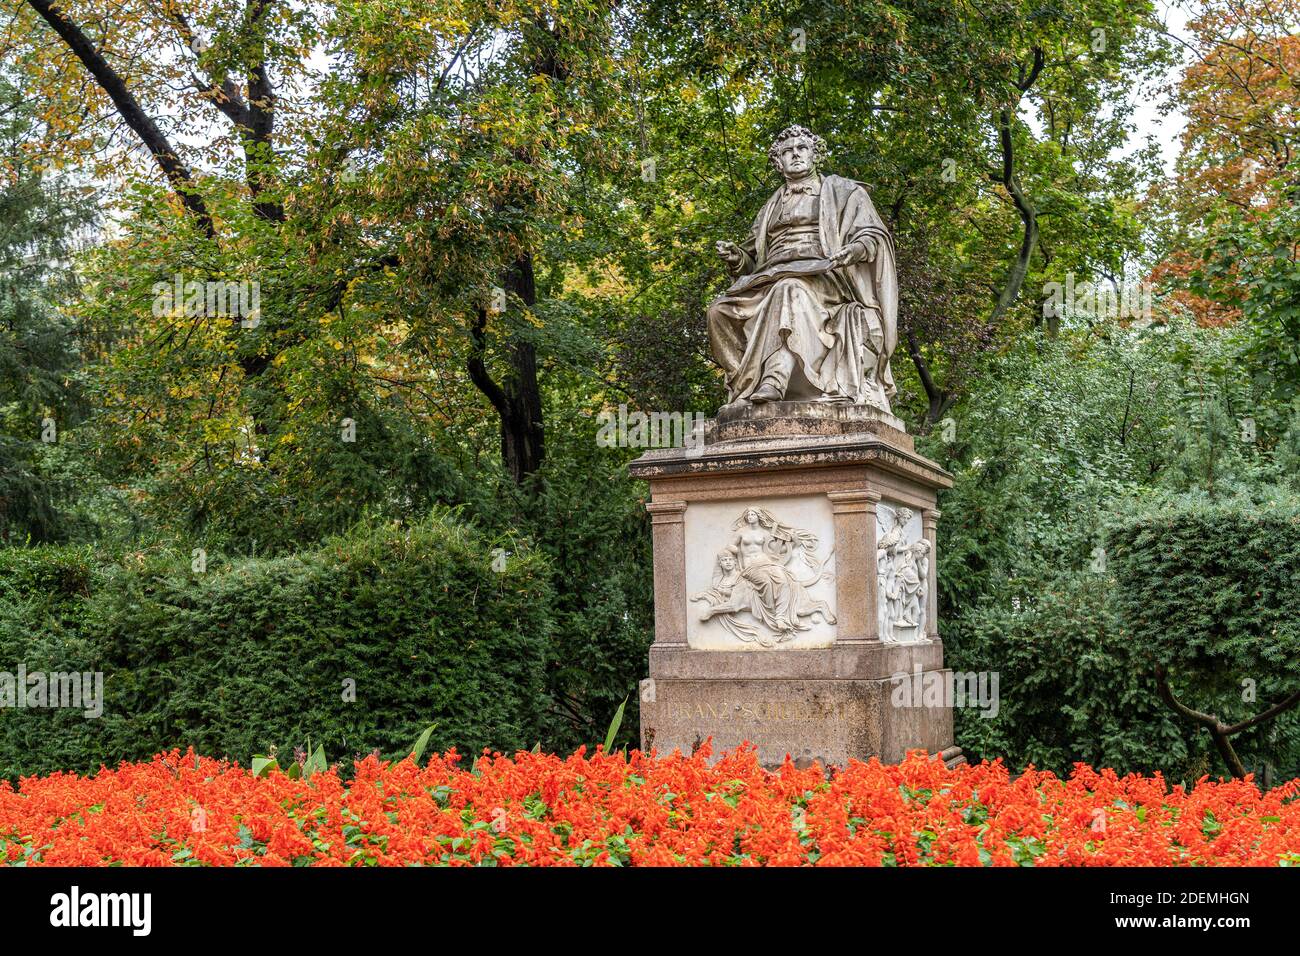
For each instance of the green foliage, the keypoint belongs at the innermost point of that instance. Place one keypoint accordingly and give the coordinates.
(255, 653)
(588, 518)
(1208, 591)
(1056, 439)
(422, 742)
(338, 428)
(1071, 687)
(1251, 262)
(612, 734)
(1056, 429)
(40, 348)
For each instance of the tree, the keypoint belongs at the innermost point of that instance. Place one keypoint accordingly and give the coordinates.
(1238, 94)
(41, 348)
(371, 279)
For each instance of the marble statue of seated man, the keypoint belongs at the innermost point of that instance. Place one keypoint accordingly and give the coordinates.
(812, 312)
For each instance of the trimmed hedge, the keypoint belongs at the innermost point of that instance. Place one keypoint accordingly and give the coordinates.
(1212, 586)
(1211, 592)
(254, 654)
(1072, 688)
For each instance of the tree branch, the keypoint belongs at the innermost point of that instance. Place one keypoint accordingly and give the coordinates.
(1219, 732)
(1273, 711)
(477, 368)
(939, 400)
(1028, 215)
(224, 96)
(128, 107)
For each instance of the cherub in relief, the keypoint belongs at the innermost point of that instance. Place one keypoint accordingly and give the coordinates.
(726, 573)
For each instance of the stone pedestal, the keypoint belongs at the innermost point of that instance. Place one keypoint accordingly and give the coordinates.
(795, 587)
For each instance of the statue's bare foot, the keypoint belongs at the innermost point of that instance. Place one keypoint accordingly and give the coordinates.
(738, 405)
(766, 393)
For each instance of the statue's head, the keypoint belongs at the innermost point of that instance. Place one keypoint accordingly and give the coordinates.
(755, 517)
(797, 151)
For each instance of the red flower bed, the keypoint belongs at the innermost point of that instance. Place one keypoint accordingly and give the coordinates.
(539, 809)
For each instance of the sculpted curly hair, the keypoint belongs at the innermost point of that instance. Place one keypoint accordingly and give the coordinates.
(797, 132)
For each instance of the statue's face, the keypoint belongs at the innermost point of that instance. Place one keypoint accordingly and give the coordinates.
(728, 562)
(794, 158)
(751, 517)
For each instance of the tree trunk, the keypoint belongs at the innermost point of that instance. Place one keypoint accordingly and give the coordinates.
(259, 151)
(939, 399)
(522, 435)
(128, 107)
(1006, 175)
(518, 398)
(1028, 217)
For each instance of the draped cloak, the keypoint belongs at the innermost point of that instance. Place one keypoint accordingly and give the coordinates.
(840, 324)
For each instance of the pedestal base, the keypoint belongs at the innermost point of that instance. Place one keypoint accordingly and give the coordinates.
(785, 615)
(826, 721)
(830, 705)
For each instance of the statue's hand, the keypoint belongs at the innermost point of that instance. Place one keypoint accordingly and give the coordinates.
(861, 251)
(731, 254)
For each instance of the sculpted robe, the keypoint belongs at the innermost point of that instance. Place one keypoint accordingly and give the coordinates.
(840, 325)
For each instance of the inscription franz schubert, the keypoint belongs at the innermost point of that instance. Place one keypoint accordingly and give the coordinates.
(756, 711)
